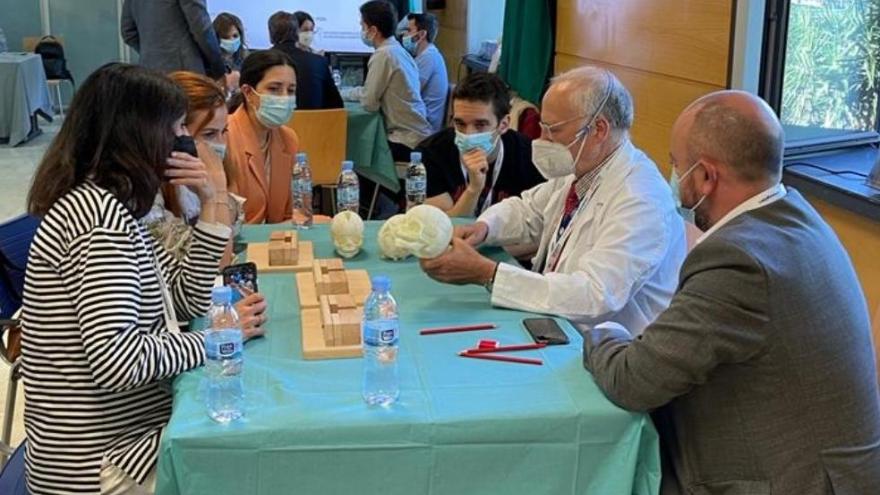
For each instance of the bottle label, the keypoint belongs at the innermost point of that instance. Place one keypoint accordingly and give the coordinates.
(302, 186)
(381, 332)
(348, 195)
(416, 185)
(223, 344)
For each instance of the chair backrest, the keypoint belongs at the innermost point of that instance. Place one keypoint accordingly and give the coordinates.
(51, 49)
(323, 134)
(15, 241)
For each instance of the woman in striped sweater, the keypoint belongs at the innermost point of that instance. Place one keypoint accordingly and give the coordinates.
(101, 298)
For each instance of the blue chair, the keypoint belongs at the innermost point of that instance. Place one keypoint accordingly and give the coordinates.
(15, 241)
(16, 236)
(12, 478)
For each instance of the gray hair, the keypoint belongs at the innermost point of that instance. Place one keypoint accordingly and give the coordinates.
(590, 85)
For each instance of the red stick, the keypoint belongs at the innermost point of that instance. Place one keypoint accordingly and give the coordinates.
(465, 328)
(507, 359)
(508, 348)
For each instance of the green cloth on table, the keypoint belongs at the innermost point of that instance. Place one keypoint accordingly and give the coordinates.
(368, 147)
(461, 425)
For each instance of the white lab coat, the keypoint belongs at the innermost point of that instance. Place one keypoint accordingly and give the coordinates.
(622, 260)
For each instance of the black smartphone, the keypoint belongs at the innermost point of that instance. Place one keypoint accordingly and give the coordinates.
(242, 276)
(185, 144)
(545, 331)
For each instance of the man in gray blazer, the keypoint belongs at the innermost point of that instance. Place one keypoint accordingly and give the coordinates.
(173, 35)
(761, 374)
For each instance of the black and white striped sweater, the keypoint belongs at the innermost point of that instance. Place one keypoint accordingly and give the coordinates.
(96, 347)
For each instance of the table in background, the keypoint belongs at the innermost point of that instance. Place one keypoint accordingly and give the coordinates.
(23, 92)
(368, 147)
(461, 426)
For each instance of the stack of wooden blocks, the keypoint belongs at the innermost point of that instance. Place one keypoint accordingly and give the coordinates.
(341, 320)
(283, 248)
(330, 278)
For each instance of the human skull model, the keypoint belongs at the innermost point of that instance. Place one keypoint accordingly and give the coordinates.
(425, 231)
(347, 230)
(388, 238)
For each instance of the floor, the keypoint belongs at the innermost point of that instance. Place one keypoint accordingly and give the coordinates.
(18, 165)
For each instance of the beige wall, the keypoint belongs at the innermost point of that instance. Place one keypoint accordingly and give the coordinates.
(667, 52)
(452, 38)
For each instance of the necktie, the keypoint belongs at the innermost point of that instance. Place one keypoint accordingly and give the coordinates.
(571, 204)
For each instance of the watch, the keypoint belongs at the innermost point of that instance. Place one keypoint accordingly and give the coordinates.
(488, 285)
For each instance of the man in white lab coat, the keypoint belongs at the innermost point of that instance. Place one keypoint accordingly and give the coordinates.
(610, 242)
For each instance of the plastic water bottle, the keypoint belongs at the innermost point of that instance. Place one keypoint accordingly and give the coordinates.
(223, 358)
(380, 334)
(416, 181)
(301, 188)
(337, 78)
(348, 191)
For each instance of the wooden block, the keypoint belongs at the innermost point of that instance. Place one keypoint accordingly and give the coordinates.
(327, 323)
(343, 301)
(359, 286)
(349, 323)
(334, 265)
(313, 345)
(283, 248)
(258, 252)
(305, 288)
(337, 330)
(338, 282)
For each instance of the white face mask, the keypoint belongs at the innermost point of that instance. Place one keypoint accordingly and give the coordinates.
(306, 38)
(554, 160)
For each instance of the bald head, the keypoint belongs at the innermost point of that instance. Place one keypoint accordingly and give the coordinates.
(736, 129)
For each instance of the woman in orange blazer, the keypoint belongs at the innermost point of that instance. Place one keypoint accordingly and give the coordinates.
(260, 146)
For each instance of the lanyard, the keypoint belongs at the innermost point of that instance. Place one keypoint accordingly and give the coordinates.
(564, 231)
(167, 303)
(496, 172)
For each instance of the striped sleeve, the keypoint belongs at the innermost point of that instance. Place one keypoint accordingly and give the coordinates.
(102, 277)
(191, 279)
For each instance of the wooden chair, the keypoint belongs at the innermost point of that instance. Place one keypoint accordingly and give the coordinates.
(323, 134)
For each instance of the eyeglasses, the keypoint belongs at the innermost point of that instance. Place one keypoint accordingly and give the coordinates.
(548, 128)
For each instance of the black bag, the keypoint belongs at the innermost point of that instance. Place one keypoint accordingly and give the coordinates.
(54, 62)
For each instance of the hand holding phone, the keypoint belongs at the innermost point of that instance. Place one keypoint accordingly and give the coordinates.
(242, 278)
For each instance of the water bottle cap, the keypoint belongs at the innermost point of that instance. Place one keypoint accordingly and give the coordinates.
(381, 283)
(415, 156)
(301, 157)
(347, 165)
(221, 295)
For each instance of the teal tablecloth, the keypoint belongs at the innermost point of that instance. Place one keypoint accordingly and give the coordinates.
(461, 426)
(368, 147)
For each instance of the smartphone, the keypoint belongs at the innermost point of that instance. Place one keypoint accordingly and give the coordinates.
(243, 275)
(545, 331)
(185, 144)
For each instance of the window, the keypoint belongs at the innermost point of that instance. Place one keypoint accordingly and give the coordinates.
(821, 70)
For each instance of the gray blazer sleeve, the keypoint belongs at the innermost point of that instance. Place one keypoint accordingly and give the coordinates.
(196, 14)
(129, 28)
(719, 315)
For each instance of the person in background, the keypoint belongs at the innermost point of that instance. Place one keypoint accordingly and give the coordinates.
(761, 375)
(233, 46)
(306, 32)
(261, 148)
(102, 298)
(392, 84)
(480, 161)
(418, 40)
(172, 36)
(315, 88)
(177, 208)
(610, 239)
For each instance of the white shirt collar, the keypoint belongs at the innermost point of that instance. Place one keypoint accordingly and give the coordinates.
(759, 200)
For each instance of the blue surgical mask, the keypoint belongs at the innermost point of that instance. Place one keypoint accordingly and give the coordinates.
(410, 45)
(688, 213)
(275, 111)
(482, 141)
(218, 148)
(365, 37)
(230, 46)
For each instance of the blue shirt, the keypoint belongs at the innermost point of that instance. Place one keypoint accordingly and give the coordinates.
(434, 85)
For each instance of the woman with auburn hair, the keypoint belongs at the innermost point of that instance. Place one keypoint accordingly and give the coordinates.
(177, 208)
(102, 299)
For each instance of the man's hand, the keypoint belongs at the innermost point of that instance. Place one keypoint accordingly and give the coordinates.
(477, 165)
(460, 265)
(473, 234)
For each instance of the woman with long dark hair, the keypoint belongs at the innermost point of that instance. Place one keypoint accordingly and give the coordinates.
(102, 299)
